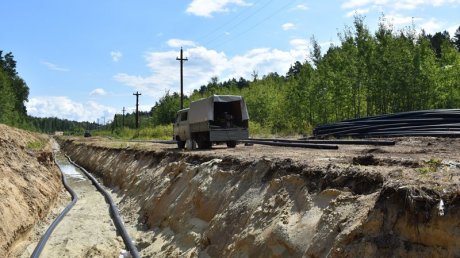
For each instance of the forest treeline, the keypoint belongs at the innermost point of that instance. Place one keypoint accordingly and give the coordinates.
(366, 74)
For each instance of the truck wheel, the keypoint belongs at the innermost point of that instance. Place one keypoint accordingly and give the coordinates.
(231, 144)
(180, 144)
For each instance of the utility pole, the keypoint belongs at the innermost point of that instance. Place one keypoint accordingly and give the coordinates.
(137, 108)
(181, 59)
(123, 118)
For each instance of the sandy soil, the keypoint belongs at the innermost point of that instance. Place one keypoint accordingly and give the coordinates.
(408, 155)
(29, 184)
(253, 201)
(86, 231)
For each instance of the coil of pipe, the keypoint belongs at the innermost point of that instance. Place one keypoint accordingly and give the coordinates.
(437, 123)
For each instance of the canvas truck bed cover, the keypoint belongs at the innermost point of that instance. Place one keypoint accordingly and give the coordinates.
(203, 110)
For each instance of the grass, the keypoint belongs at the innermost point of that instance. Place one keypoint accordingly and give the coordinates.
(163, 132)
(257, 130)
(431, 166)
(36, 145)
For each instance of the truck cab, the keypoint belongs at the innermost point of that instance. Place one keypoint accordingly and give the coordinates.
(181, 127)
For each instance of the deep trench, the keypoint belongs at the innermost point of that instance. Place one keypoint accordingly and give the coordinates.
(211, 206)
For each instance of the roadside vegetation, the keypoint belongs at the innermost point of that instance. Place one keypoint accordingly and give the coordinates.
(366, 73)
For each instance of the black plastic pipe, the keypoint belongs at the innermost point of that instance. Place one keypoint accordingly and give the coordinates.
(113, 211)
(292, 144)
(156, 141)
(345, 142)
(164, 141)
(41, 244)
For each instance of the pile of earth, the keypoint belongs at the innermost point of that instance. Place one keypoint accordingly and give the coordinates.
(29, 184)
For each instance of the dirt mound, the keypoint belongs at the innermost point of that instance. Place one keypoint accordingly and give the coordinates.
(211, 206)
(29, 183)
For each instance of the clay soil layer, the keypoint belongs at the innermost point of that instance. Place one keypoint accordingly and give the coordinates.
(262, 201)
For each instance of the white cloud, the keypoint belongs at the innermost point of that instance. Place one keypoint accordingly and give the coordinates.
(116, 55)
(64, 107)
(432, 26)
(397, 19)
(98, 92)
(54, 67)
(303, 7)
(357, 11)
(205, 8)
(299, 43)
(205, 63)
(264, 61)
(355, 3)
(180, 43)
(288, 26)
(202, 65)
(453, 29)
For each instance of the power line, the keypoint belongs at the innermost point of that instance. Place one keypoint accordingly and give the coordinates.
(234, 18)
(247, 17)
(257, 24)
(227, 23)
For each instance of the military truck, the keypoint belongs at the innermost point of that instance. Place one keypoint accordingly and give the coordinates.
(216, 119)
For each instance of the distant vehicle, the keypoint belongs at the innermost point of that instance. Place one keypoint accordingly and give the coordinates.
(216, 119)
(87, 133)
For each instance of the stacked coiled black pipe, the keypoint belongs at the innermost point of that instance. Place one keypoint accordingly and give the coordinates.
(436, 123)
(41, 244)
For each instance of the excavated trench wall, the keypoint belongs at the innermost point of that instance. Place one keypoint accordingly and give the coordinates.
(29, 185)
(209, 207)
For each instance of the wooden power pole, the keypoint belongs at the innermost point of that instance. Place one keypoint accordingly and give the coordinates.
(181, 59)
(123, 118)
(137, 108)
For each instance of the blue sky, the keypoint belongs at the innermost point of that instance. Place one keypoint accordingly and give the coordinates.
(83, 60)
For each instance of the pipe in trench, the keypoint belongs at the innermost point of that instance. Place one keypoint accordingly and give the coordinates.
(113, 211)
(41, 244)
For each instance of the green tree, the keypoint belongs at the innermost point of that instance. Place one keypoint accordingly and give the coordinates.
(14, 92)
(456, 39)
(165, 109)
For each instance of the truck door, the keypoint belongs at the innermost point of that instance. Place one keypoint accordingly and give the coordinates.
(183, 125)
